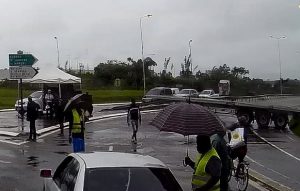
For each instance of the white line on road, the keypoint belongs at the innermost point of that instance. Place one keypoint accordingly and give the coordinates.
(276, 147)
(110, 148)
(5, 162)
(290, 138)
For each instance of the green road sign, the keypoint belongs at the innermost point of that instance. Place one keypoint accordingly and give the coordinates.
(22, 59)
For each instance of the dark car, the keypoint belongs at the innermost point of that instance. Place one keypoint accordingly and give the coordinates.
(158, 91)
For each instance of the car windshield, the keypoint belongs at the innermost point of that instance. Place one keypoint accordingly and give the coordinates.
(205, 92)
(184, 92)
(130, 179)
(154, 92)
(36, 94)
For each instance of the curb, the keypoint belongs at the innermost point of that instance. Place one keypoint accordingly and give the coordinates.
(267, 182)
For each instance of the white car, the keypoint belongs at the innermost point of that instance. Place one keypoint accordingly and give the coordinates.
(207, 94)
(109, 171)
(187, 93)
(37, 97)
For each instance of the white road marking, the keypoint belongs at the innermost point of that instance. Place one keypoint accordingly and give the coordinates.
(276, 147)
(5, 162)
(110, 148)
(290, 138)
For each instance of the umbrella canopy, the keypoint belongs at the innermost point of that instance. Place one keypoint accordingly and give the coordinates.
(84, 101)
(188, 119)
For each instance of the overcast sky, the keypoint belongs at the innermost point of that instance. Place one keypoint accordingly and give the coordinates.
(232, 32)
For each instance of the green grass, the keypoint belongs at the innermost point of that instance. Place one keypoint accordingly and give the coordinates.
(8, 96)
(296, 131)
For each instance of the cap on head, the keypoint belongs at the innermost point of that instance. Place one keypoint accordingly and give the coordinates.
(49, 90)
(29, 98)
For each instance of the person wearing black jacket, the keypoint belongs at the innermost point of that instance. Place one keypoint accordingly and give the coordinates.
(134, 117)
(32, 115)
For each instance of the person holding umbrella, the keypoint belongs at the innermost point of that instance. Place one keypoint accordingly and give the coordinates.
(207, 167)
(76, 128)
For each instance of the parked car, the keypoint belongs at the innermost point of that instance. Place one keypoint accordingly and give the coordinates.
(108, 171)
(187, 93)
(37, 97)
(175, 91)
(163, 91)
(207, 93)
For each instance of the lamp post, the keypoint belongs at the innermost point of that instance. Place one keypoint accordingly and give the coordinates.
(279, 59)
(58, 65)
(191, 56)
(142, 46)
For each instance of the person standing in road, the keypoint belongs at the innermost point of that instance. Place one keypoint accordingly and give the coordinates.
(76, 129)
(220, 145)
(60, 115)
(207, 167)
(134, 117)
(49, 102)
(32, 114)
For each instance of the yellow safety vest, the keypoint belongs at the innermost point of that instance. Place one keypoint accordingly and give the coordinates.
(200, 177)
(76, 122)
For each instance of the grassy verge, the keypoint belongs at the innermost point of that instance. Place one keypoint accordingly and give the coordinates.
(296, 131)
(8, 96)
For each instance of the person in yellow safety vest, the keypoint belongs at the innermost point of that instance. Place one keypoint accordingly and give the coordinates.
(207, 167)
(76, 130)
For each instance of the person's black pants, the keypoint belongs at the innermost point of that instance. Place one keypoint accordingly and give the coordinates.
(32, 133)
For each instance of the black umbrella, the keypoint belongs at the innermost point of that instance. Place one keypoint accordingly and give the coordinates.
(188, 119)
(83, 101)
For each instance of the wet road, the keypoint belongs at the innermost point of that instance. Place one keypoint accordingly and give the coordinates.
(20, 164)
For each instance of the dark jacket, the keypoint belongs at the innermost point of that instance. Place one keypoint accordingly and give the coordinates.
(32, 111)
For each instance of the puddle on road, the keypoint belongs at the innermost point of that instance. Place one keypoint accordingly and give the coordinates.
(61, 152)
(32, 161)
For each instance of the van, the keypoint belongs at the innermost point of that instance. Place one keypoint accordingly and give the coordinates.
(158, 91)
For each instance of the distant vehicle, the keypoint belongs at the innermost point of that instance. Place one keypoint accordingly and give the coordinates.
(207, 93)
(224, 88)
(37, 97)
(175, 91)
(108, 171)
(163, 91)
(187, 93)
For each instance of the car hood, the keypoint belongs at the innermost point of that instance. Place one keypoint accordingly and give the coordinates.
(26, 100)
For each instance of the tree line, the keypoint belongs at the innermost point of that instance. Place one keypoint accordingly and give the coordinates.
(130, 76)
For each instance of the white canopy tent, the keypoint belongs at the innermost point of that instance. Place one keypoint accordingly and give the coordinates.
(52, 75)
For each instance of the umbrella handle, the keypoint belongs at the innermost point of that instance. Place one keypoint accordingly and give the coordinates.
(184, 164)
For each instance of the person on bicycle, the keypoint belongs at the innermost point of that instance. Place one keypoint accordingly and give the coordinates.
(207, 167)
(219, 143)
(242, 123)
(134, 117)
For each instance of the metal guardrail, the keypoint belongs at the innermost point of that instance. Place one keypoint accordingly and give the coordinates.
(254, 98)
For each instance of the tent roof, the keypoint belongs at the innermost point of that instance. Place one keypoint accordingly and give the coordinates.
(52, 75)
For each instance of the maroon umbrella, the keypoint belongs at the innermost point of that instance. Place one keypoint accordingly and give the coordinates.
(188, 119)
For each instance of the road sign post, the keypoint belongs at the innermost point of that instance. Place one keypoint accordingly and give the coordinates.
(20, 67)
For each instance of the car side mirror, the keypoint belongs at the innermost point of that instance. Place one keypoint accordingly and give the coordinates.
(45, 173)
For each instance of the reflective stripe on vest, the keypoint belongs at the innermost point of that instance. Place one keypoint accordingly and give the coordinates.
(200, 177)
(76, 122)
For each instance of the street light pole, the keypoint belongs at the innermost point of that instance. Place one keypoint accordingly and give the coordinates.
(142, 46)
(191, 56)
(279, 58)
(58, 65)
